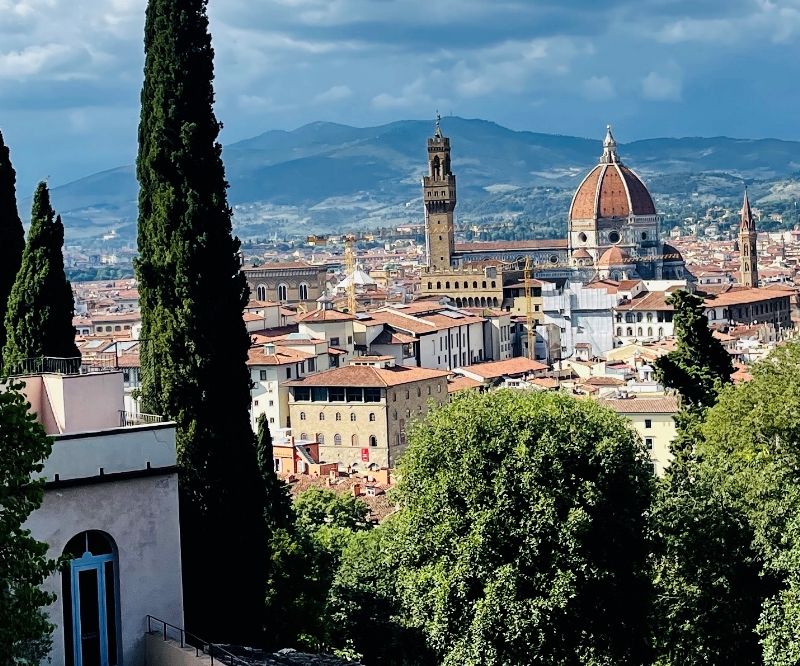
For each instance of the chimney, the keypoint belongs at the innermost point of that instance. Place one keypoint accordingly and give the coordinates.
(269, 349)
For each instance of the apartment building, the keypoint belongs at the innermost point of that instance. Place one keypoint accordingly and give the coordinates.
(359, 414)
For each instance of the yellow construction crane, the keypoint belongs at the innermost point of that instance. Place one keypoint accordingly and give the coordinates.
(529, 309)
(350, 268)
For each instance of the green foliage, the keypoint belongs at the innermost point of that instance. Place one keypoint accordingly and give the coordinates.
(41, 306)
(192, 298)
(24, 627)
(364, 610)
(523, 533)
(317, 507)
(278, 508)
(12, 235)
(700, 365)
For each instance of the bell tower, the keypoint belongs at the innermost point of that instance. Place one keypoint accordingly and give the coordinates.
(439, 192)
(748, 248)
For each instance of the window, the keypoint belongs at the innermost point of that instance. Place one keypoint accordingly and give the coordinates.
(262, 375)
(261, 292)
(372, 395)
(373, 441)
(660, 331)
(337, 439)
(650, 331)
(334, 342)
(355, 394)
(303, 435)
(352, 416)
(338, 416)
(303, 291)
(648, 423)
(439, 388)
(108, 329)
(408, 394)
(419, 391)
(394, 414)
(118, 328)
(302, 416)
(629, 331)
(430, 285)
(272, 419)
(649, 317)
(648, 442)
(394, 397)
(90, 598)
(639, 331)
(302, 393)
(319, 394)
(429, 389)
(354, 440)
(282, 292)
(638, 316)
(322, 416)
(372, 416)
(408, 413)
(321, 439)
(336, 394)
(619, 330)
(288, 373)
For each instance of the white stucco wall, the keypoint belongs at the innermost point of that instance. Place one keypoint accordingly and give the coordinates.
(141, 516)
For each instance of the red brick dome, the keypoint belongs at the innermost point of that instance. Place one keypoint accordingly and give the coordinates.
(611, 190)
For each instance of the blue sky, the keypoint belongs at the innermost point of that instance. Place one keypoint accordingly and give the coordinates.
(70, 70)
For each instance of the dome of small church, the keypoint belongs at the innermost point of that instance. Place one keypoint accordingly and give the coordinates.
(581, 253)
(614, 256)
(611, 190)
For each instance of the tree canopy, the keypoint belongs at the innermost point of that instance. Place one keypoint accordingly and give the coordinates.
(25, 629)
(523, 533)
(12, 235)
(195, 343)
(41, 306)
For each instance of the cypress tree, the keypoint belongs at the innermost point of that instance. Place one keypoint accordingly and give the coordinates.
(12, 235)
(40, 307)
(195, 342)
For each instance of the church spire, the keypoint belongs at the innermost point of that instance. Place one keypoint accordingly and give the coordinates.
(748, 245)
(748, 222)
(609, 149)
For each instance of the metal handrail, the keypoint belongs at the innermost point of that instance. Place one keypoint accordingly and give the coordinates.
(138, 418)
(44, 364)
(186, 639)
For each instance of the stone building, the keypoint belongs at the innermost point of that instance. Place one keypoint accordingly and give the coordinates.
(613, 232)
(288, 282)
(748, 246)
(359, 414)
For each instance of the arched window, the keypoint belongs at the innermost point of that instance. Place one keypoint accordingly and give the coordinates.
(90, 598)
(322, 416)
(618, 316)
(483, 284)
(494, 284)
(283, 291)
(649, 317)
(302, 416)
(338, 416)
(373, 441)
(303, 291)
(650, 331)
(261, 292)
(660, 331)
(352, 416)
(455, 285)
(337, 439)
(354, 440)
(447, 285)
(372, 416)
(629, 317)
(303, 435)
(429, 389)
(629, 331)
(639, 331)
(475, 285)
(430, 285)
(321, 438)
(619, 330)
(638, 316)
(438, 285)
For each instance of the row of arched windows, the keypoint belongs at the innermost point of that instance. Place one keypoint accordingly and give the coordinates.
(337, 439)
(338, 416)
(640, 332)
(466, 285)
(283, 292)
(490, 302)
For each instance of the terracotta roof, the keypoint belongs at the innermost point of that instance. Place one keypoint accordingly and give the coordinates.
(324, 315)
(277, 266)
(546, 382)
(462, 384)
(369, 376)
(614, 256)
(605, 381)
(128, 360)
(611, 190)
(743, 296)
(252, 316)
(581, 253)
(494, 246)
(667, 404)
(652, 300)
(251, 305)
(387, 337)
(282, 356)
(511, 366)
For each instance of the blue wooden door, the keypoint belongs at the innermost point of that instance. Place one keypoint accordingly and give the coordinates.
(92, 592)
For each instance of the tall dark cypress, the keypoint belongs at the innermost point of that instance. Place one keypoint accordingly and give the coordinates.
(12, 235)
(195, 343)
(41, 305)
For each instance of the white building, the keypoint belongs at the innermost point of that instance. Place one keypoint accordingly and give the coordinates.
(110, 503)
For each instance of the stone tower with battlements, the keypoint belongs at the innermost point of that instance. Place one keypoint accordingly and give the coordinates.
(748, 248)
(439, 192)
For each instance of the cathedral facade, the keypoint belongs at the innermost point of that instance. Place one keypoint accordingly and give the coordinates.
(613, 233)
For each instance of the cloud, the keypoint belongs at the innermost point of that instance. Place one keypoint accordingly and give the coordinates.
(661, 88)
(334, 94)
(599, 88)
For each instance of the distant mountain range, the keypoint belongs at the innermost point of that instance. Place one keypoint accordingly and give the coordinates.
(325, 177)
